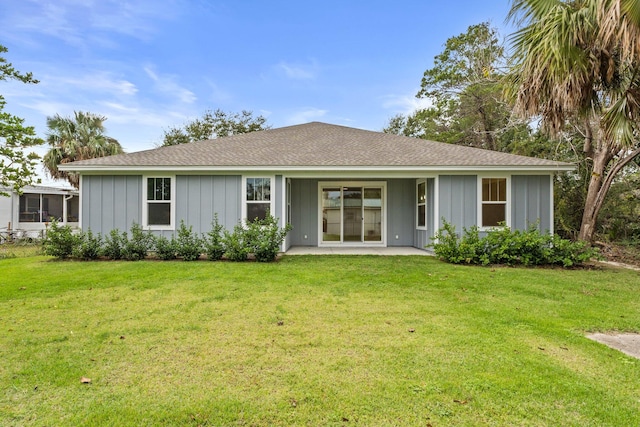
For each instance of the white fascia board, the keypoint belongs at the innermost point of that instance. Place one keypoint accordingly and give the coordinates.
(293, 171)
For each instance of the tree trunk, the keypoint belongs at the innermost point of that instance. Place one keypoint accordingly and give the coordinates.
(599, 186)
(591, 209)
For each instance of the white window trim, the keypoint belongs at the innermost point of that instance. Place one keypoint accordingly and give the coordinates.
(426, 194)
(507, 202)
(145, 206)
(272, 190)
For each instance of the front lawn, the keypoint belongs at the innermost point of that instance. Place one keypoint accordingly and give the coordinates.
(324, 340)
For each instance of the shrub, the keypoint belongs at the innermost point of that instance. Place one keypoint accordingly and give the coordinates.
(113, 244)
(165, 248)
(188, 244)
(264, 238)
(457, 250)
(88, 245)
(510, 247)
(213, 240)
(568, 253)
(60, 241)
(235, 245)
(136, 247)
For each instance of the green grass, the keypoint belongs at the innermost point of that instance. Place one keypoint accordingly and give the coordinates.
(330, 340)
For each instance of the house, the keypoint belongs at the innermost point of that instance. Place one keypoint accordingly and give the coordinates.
(337, 186)
(29, 213)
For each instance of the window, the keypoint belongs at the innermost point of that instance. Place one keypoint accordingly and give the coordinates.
(159, 202)
(494, 201)
(41, 207)
(422, 204)
(73, 209)
(258, 198)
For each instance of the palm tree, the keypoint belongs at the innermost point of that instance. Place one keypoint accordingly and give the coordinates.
(79, 138)
(576, 65)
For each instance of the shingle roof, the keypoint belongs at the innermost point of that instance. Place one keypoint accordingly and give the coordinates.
(314, 145)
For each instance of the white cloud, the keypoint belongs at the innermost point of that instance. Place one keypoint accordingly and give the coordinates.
(306, 115)
(141, 116)
(98, 82)
(298, 71)
(50, 108)
(167, 85)
(85, 23)
(405, 104)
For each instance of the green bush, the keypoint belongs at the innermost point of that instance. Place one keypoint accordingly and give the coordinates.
(60, 241)
(264, 238)
(188, 244)
(509, 247)
(235, 244)
(88, 245)
(113, 244)
(213, 241)
(165, 249)
(137, 246)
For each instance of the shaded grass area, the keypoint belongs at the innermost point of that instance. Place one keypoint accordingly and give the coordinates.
(324, 340)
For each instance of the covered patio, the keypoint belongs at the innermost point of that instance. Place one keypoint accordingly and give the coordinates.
(362, 250)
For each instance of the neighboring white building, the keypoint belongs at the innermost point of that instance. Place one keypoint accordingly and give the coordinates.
(37, 206)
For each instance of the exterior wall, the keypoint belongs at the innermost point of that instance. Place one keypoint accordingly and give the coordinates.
(110, 202)
(401, 212)
(424, 237)
(304, 212)
(278, 201)
(458, 195)
(200, 197)
(6, 211)
(531, 202)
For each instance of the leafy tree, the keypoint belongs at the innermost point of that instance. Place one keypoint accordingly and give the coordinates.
(17, 165)
(578, 62)
(79, 138)
(214, 124)
(466, 90)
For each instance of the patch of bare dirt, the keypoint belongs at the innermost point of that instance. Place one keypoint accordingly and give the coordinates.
(620, 255)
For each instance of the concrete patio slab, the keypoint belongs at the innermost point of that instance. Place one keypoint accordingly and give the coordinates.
(629, 344)
(388, 251)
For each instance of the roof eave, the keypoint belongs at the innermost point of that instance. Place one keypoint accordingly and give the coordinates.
(562, 167)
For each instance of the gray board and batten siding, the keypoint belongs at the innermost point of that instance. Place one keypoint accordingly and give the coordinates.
(115, 202)
(200, 197)
(111, 202)
(458, 195)
(531, 202)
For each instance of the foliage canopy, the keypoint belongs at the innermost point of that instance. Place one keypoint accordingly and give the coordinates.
(17, 163)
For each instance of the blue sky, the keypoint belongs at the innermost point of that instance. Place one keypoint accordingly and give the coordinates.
(150, 64)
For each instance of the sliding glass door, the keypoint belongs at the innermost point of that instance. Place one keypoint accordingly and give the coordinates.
(372, 211)
(352, 213)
